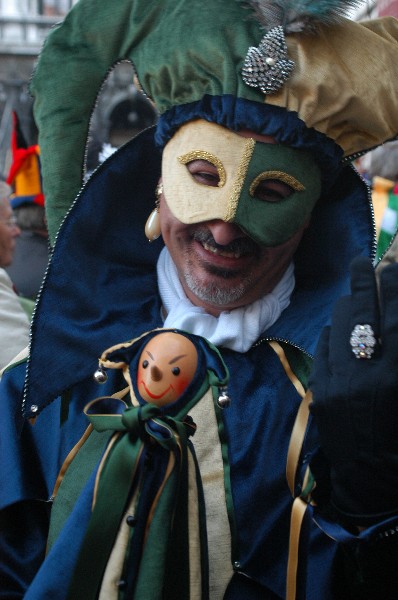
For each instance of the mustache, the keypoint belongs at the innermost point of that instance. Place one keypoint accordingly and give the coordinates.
(243, 245)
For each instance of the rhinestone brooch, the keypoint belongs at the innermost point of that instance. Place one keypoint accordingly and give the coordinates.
(268, 66)
(362, 341)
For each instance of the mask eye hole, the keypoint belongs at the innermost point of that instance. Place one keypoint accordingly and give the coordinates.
(204, 172)
(272, 190)
(274, 186)
(204, 167)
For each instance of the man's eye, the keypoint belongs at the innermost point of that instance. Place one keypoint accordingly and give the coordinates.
(272, 190)
(204, 172)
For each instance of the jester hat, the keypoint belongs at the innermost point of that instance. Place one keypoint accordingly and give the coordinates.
(24, 175)
(298, 71)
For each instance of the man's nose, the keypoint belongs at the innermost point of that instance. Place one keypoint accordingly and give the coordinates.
(224, 233)
(156, 373)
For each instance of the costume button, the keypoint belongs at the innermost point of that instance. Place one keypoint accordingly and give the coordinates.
(122, 584)
(131, 520)
(236, 564)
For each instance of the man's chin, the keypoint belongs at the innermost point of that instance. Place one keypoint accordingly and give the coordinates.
(221, 274)
(218, 292)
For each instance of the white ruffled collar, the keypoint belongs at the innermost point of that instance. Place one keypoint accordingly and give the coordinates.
(237, 329)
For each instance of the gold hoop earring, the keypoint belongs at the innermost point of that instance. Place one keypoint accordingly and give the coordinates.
(152, 226)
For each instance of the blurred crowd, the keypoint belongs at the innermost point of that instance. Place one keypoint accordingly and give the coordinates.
(24, 247)
(380, 169)
(14, 319)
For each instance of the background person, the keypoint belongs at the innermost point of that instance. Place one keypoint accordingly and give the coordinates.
(27, 200)
(31, 250)
(380, 167)
(14, 324)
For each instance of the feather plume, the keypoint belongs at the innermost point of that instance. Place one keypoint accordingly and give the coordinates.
(299, 15)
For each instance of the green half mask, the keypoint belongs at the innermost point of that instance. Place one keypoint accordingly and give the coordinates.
(242, 164)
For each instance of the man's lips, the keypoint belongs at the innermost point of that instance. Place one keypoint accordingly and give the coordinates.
(238, 249)
(156, 396)
(221, 252)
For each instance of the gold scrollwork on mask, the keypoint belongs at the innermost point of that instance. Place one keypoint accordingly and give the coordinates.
(280, 176)
(204, 155)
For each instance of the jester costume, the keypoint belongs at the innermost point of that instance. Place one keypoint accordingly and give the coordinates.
(101, 290)
(264, 401)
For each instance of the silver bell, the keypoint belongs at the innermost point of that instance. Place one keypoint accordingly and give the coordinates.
(223, 400)
(100, 375)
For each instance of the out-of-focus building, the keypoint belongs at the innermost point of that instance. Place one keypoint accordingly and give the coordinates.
(24, 25)
(121, 110)
(380, 166)
(371, 9)
(387, 8)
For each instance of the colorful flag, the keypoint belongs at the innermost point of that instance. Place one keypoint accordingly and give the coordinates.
(24, 175)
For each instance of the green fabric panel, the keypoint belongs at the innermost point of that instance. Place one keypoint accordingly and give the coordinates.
(385, 237)
(299, 362)
(112, 494)
(383, 242)
(74, 480)
(153, 558)
(178, 58)
(393, 200)
(273, 223)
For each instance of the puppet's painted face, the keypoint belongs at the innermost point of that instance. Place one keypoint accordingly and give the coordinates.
(268, 190)
(166, 367)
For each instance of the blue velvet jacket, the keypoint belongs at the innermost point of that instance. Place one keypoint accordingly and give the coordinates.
(100, 289)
